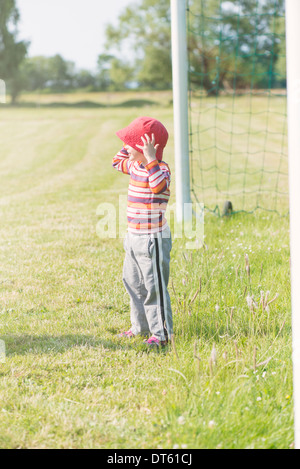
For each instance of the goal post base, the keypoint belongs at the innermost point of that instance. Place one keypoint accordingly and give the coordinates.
(227, 208)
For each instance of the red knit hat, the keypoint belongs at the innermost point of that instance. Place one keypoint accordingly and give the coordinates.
(131, 135)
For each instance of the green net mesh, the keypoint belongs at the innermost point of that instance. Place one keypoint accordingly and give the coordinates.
(237, 104)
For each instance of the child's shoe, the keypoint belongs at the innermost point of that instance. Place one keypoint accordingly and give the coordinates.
(127, 334)
(154, 342)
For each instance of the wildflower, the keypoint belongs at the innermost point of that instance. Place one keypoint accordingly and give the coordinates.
(287, 396)
(211, 424)
(176, 446)
(249, 301)
(264, 374)
(181, 420)
(259, 398)
(217, 307)
(213, 356)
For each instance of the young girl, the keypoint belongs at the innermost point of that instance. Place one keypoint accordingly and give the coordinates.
(148, 240)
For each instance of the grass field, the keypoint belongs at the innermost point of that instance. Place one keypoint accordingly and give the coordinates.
(67, 381)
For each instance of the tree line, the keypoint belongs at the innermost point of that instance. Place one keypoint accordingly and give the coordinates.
(231, 45)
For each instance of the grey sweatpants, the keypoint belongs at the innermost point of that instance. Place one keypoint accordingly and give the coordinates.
(146, 276)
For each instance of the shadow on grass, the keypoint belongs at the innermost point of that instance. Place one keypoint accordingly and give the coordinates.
(35, 344)
(85, 104)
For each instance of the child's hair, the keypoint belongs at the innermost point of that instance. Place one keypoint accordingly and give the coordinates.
(131, 135)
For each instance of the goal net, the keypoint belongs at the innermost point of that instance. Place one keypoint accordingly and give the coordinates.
(237, 104)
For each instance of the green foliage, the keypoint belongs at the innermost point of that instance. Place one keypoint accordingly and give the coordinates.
(144, 30)
(280, 63)
(120, 74)
(12, 51)
(231, 44)
(55, 74)
(155, 68)
(104, 64)
(61, 72)
(235, 45)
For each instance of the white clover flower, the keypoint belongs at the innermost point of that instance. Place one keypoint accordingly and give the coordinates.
(181, 420)
(211, 424)
(249, 300)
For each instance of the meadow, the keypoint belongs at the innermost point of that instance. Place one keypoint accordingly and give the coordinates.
(66, 380)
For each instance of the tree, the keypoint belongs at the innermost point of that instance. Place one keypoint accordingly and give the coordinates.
(231, 44)
(113, 73)
(280, 65)
(121, 74)
(143, 35)
(12, 51)
(84, 79)
(155, 70)
(103, 76)
(35, 72)
(234, 45)
(61, 73)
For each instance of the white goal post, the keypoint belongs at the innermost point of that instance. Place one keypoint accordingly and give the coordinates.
(293, 106)
(182, 171)
(180, 108)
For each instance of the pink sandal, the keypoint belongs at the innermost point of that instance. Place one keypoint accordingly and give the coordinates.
(153, 341)
(127, 334)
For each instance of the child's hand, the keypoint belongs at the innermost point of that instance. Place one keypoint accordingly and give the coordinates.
(149, 148)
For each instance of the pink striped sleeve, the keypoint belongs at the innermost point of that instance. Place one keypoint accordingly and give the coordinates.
(121, 162)
(159, 176)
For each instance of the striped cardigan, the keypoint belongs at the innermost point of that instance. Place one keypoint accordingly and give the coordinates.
(148, 193)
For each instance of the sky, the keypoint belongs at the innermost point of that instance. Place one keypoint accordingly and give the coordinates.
(75, 29)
